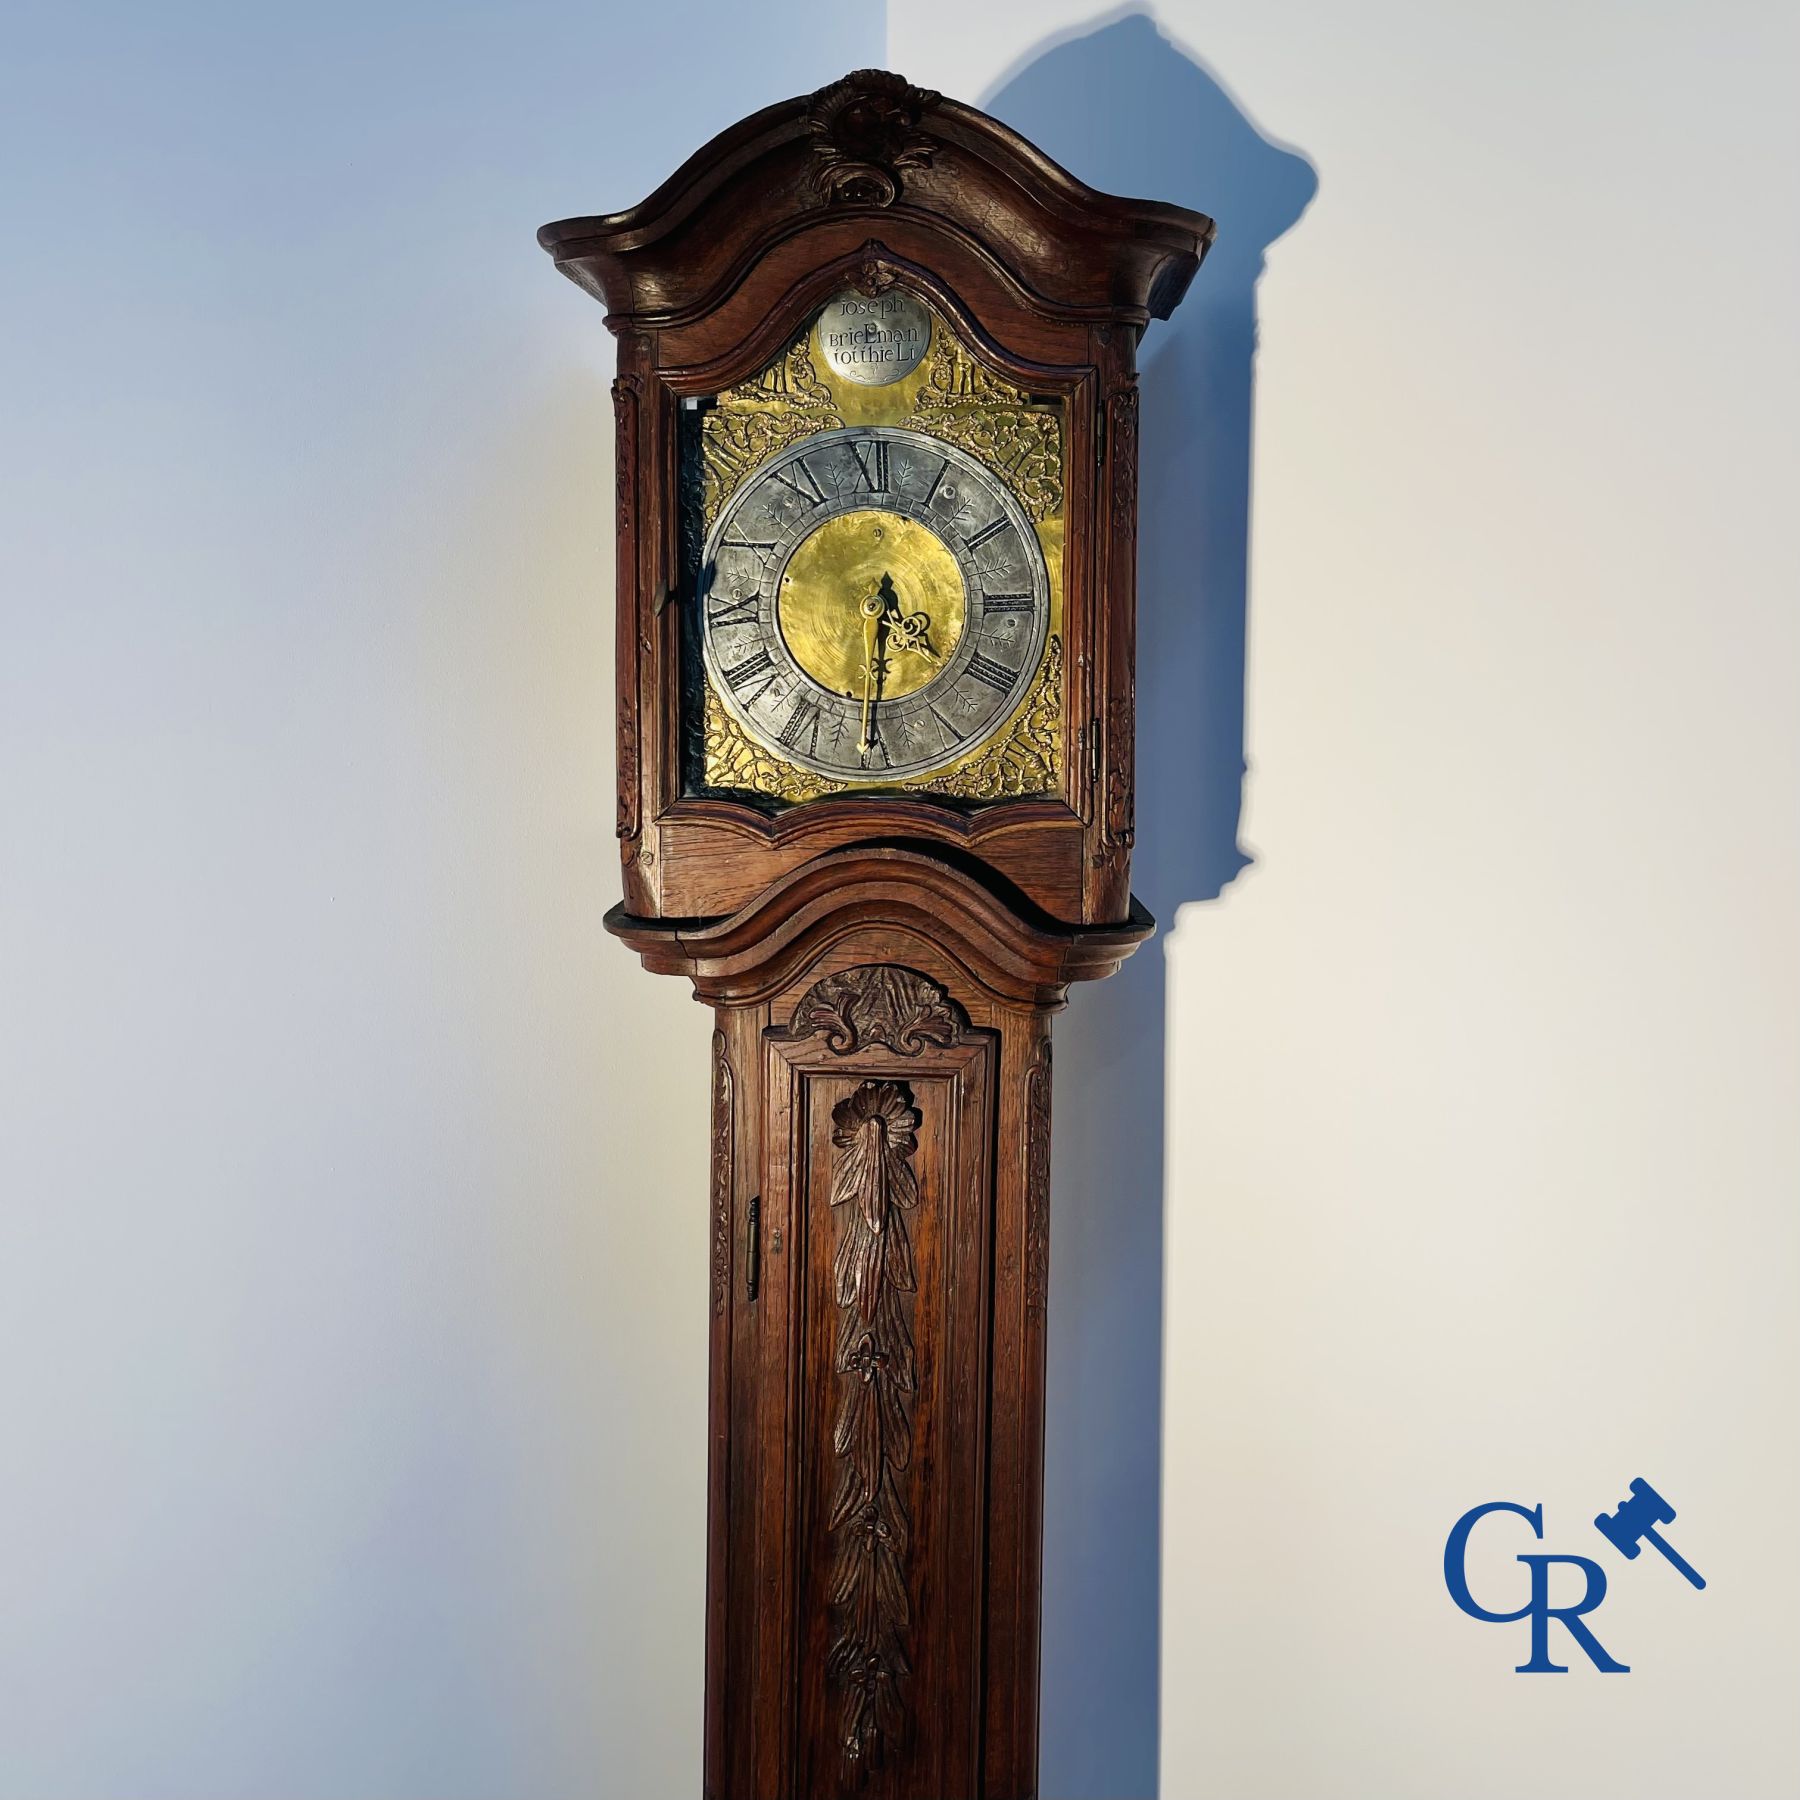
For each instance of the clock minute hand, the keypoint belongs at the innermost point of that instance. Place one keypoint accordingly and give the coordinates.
(874, 610)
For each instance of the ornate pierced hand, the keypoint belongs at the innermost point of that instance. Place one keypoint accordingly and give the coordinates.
(911, 631)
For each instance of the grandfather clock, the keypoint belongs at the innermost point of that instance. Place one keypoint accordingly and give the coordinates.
(877, 510)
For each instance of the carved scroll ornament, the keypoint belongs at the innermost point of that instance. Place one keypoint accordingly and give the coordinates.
(866, 133)
(879, 1003)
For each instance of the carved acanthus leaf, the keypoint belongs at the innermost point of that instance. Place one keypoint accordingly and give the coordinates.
(625, 392)
(873, 1186)
(878, 1003)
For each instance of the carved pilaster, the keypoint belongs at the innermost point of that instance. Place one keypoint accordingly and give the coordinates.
(724, 1125)
(1037, 1182)
(625, 393)
(1121, 786)
(1122, 430)
(1118, 799)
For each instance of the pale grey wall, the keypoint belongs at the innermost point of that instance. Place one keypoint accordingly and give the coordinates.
(1471, 1172)
(352, 1190)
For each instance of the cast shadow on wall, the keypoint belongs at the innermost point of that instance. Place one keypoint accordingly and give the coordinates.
(1131, 113)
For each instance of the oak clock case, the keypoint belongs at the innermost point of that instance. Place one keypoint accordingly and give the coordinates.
(877, 492)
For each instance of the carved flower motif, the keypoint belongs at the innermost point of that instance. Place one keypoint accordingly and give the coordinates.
(881, 1107)
(867, 1361)
(873, 277)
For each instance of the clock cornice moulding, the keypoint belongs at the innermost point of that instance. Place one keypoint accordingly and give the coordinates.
(900, 161)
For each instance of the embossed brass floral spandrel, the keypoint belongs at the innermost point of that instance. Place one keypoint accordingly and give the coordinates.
(1024, 758)
(752, 421)
(734, 760)
(1019, 439)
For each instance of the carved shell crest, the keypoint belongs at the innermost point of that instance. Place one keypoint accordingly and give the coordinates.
(878, 1003)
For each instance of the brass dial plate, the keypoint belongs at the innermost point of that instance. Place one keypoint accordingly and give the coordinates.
(795, 589)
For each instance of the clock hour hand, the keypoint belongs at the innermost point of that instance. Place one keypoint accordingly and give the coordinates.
(912, 631)
(905, 631)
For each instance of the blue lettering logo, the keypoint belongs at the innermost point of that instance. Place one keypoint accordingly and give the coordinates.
(1538, 1608)
(1628, 1529)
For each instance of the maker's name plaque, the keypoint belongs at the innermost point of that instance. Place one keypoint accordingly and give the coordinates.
(873, 342)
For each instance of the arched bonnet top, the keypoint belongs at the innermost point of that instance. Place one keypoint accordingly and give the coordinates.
(928, 172)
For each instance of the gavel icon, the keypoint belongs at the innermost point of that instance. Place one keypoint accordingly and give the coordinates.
(1638, 1518)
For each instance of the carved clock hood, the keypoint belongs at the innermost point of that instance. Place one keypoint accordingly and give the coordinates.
(876, 589)
(874, 146)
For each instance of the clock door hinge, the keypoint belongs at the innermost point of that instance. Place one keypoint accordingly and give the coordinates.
(753, 1249)
(1099, 437)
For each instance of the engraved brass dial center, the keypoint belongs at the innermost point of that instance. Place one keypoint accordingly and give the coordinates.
(819, 608)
